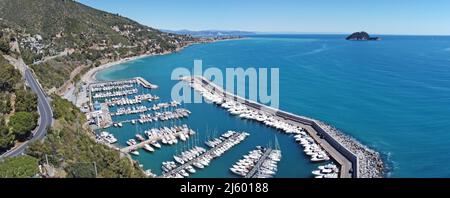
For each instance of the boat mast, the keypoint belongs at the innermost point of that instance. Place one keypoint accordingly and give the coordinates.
(277, 144)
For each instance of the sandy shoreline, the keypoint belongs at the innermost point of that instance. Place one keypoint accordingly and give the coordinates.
(89, 77)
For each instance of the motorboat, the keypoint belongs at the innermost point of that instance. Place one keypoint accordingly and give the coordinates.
(156, 144)
(178, 159)
(149, 148)
(135, 152)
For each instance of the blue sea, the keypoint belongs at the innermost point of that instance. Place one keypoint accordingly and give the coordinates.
(392, 95)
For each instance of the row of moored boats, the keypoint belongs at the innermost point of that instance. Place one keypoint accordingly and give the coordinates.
(163, 116)
(311, 148)
(117, 93)
(326, 171)
(167, 136)
(138, 99)
(199, 157)
(143, 108)
(112, 85)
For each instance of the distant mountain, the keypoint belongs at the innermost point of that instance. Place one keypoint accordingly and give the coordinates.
(361, 36)
(210, 33)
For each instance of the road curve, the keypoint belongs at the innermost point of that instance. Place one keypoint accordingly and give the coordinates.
(45, 116)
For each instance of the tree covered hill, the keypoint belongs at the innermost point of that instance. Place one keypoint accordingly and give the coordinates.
(51, 26)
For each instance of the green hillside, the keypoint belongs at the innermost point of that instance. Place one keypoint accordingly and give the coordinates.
(86, 35)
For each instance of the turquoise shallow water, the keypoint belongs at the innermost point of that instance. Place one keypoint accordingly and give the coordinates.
(392, 95)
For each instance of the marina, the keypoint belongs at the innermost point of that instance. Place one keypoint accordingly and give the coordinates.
(139, 107)
(318, 145)
(312, 150)
(377, 139)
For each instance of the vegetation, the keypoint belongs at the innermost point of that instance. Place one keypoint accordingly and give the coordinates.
(4, 45)
(19, 167)
(9, 76)
(70, 148)
(51, 73)
(5, 103)
(26, 100)
(6, 138)
(63, 109)
(24, 118)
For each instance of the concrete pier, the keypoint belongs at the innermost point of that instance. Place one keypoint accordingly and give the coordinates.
(145, 83)
(347, 161)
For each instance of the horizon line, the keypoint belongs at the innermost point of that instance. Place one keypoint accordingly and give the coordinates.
(299, 33)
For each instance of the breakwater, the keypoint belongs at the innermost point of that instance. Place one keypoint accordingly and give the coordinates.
(354, 159)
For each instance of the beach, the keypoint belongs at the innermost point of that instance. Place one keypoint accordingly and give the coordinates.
(89, 77)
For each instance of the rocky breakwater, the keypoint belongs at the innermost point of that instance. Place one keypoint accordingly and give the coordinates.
(370, 164)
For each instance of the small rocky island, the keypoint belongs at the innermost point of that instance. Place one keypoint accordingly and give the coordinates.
(362, 36)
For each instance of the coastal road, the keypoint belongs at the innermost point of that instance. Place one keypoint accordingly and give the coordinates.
(45, 116)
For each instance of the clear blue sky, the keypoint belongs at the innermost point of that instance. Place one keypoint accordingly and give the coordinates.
(302, 16)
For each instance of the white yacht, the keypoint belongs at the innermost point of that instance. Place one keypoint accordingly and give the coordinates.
(135, 152)
(178, 159)
(190, 169)
(139, 137)
(156, 144)
(149, 148)
(198, 165)
(131, 142)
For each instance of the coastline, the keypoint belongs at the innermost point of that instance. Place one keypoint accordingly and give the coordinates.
(89, 76)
